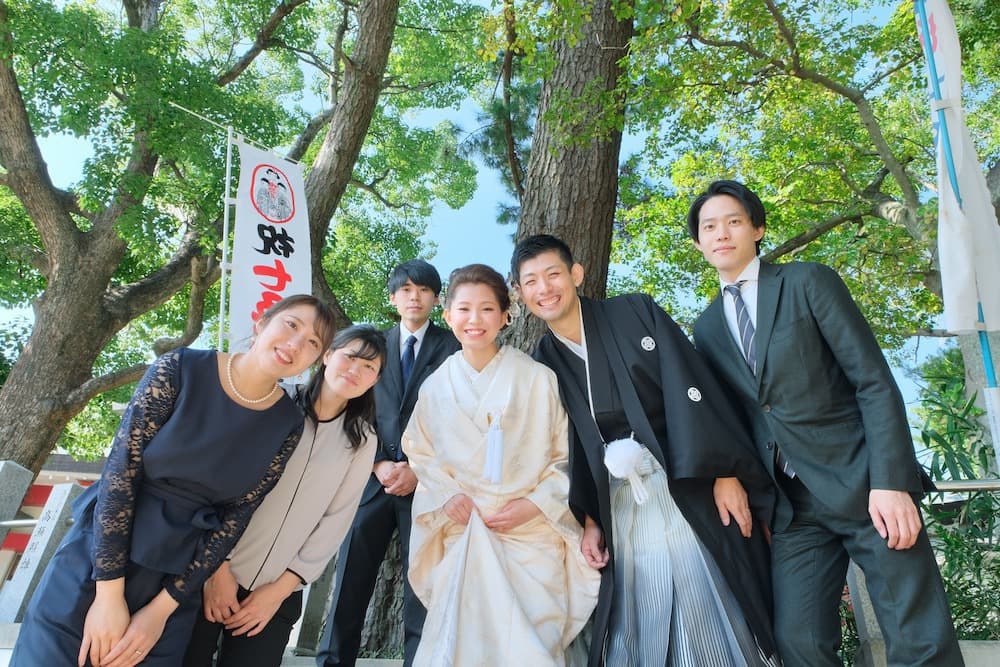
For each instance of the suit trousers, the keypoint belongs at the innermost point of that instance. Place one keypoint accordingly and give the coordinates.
(265, 649)
(357, 568)
(809, 563)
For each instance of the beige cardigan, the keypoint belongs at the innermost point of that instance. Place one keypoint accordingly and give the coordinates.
(303, 520)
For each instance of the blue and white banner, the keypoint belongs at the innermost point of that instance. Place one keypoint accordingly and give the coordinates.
(968, 234)
(271, 257)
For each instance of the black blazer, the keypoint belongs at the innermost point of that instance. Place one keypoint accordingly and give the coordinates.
(823, 393)
(393, 403)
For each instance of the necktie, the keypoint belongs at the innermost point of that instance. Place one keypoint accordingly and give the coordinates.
(747, 333)
(744, 325)
(407, 360)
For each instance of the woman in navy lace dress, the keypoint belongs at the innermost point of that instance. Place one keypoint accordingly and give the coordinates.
(205, 437)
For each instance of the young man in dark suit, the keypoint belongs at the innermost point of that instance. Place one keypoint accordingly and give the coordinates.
(416, 347)
(627, 373)
(830, 426)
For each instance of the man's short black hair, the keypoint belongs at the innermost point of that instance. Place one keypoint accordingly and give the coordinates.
(418, 272)
(751, 204)
(532, 247)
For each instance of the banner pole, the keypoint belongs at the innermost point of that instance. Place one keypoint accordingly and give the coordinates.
(226, 206)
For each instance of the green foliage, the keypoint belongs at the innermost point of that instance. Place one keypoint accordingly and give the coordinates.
(964, 532)
(357, 263)
(85, 73)
(13, 332)
(19, 280)
(718, 91)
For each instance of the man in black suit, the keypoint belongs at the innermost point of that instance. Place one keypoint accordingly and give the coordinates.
(416, 347)
(627, 372)
(830, 426)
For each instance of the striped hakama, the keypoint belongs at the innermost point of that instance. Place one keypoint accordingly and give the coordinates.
(665, 579)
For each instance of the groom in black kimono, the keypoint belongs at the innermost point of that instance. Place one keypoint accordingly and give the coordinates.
(675, 408)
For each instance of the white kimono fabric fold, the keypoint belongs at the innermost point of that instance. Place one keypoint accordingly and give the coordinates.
(511, 598)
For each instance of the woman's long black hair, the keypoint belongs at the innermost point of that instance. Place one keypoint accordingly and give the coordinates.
(360, 413)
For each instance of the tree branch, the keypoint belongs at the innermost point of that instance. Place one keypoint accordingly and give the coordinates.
(785, 31)
(262, 41)
(27, 176)
(35, 257)
(513, 160)
(79, 397)
(127, 302)
(803, 239)
(855, 96)
(371, 189)
(204, 272)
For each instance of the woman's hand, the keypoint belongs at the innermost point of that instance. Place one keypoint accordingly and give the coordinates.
(143, 632)
(259, 607)
(219, 595)
(515, 513)
(459, 508)
(106, 622)
(592, 546)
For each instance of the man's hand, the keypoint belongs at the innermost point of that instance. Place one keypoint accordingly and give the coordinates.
(895, 517)
(731, 500)
(403, 480)
(592, 546)
(459, 509)
(219, 595)
(515, 513)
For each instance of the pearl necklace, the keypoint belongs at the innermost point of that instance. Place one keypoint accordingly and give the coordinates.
(232, 386)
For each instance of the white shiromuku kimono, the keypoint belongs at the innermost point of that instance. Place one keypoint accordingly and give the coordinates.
(512, 598)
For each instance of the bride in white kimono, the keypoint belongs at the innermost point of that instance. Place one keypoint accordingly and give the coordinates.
(494, 549)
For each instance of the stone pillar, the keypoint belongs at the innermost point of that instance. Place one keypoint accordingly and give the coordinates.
(871, 652)
(315, 609)
(52, 525)
(14, 484)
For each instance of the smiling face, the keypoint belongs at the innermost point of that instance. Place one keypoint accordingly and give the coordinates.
(726, 236)
(348, 374)
(413, 303)
(548, 288)
(287, 343)
(475, 317)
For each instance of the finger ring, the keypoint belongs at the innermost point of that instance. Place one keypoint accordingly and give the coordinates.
(139, 652)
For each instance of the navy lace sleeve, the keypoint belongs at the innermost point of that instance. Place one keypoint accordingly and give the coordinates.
(151, 405)
(234, 519)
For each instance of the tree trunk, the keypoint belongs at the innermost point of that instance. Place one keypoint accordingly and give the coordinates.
(334, 164)
(572, 184)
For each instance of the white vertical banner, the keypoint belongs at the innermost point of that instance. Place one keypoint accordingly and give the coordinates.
(991, 396)
(968, 234)
(271, 257)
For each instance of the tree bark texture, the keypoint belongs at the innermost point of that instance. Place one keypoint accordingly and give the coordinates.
(572, 187)
(334, 164)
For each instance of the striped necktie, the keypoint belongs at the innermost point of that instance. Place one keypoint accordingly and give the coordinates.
(744, 325)
(747, 340)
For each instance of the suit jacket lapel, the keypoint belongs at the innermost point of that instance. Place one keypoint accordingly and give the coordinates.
(768, 291)
(723, 341)
(393, 368)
